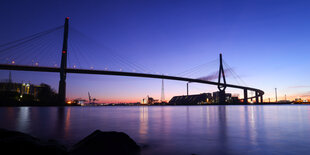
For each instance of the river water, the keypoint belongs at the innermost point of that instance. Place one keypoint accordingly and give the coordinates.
(266, 129)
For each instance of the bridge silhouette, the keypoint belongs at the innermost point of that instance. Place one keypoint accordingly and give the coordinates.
(63, 70)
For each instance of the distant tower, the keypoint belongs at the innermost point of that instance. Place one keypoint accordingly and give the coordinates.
(89, 97)
(10, 85)
(162, 91)
(276, 93)
(222, 86)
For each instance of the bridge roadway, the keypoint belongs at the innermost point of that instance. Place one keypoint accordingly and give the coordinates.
(118, 73)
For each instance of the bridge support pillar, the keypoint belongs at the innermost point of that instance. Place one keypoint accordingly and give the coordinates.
(256, 97)
(62, 92)
(261, 99)
(187, 88)
(222, 97)
(245, 96)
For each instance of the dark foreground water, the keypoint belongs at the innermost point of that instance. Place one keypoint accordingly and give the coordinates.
(267, 129)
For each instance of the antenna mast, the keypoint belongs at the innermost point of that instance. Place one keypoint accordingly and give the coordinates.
(162, 91)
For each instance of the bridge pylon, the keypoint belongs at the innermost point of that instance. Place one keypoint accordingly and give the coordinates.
(245, 96)
(221, 86)
(63, 66)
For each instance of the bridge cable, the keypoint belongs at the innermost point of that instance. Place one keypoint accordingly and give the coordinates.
(36, 46)
(196, 68)
(74, 52)
(234, 73)
(27, 39)
(115, 55)
(22, 49)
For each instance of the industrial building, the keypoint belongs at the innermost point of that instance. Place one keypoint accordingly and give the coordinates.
(20, 88)
(148, 101)
(191, 99)
(204, 98)
(216, 97)
(12, 93)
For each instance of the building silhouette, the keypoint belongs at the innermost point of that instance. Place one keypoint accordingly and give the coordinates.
(204, 98)
(25, 93)
(191, 99)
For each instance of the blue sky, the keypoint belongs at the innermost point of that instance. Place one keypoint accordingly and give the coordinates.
(265, 42)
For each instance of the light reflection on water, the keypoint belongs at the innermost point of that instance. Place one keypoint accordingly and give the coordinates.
(187, 130)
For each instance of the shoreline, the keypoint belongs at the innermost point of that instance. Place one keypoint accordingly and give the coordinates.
(227, 104)
(98, 142)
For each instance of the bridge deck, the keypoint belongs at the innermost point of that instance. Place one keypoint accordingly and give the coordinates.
(118, 73)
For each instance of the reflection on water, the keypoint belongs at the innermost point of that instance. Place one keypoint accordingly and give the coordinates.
(175, 129)
(143, 127)
(67, 122)
(23, 119)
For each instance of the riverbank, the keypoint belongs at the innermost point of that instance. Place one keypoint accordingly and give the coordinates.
(98, 142)
(103, 105)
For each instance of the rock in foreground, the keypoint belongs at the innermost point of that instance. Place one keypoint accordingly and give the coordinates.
(13, 142)
(106, 143)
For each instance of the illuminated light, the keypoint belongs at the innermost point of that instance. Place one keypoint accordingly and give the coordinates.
(69, 102)
(13, 62)
(21, 96)
(91, 67)
(74, 66)
(37, 64)
(55, 65)
(67, 18)
(63, 52)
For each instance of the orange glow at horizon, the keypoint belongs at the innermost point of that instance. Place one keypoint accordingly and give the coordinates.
(139, 99)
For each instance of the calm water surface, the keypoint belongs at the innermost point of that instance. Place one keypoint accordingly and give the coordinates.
(267, 129)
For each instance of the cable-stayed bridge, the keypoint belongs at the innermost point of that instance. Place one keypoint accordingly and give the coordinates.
(12, 53)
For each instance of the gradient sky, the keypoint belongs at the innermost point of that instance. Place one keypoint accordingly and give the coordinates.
(265, 42)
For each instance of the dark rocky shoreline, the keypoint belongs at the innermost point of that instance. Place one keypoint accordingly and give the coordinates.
(98, 142)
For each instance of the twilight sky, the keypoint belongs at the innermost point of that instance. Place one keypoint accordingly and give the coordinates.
(265, 42)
